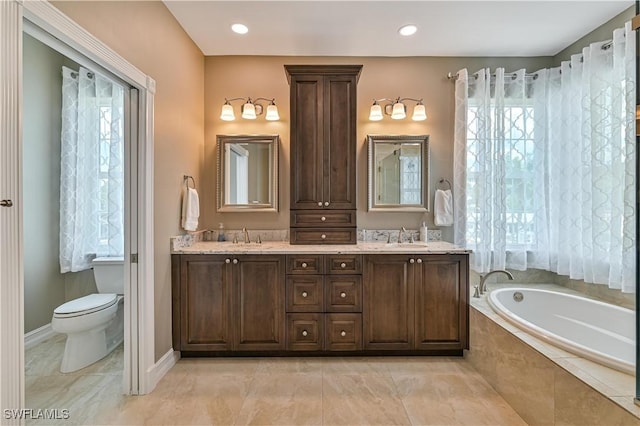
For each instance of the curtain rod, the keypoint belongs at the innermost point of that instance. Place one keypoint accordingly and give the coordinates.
(454, 76)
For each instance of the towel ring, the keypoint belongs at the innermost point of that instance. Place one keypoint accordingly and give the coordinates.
(442, 180)
(186, 180)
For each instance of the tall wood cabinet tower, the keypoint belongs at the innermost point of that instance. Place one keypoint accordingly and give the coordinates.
(323, 153)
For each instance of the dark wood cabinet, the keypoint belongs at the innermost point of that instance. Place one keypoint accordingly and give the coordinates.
(416, 302)
(383, 303)
(229, 303)
(323, 151)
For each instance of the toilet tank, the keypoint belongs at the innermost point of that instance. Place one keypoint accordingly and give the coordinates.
(109, 274)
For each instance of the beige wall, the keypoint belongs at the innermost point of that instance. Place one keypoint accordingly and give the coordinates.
(255, 76)
(148, 36)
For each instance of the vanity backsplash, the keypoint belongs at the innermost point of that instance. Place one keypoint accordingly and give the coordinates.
(365, 235)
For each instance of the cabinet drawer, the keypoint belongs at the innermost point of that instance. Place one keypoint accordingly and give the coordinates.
(323, 236)
(305, 264)
(343, 293)
(343, 332)
(304, 293)
(305, 332)
(322, 219)
(344, 264)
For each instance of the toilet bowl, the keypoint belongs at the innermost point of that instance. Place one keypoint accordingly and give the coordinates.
(94, 324)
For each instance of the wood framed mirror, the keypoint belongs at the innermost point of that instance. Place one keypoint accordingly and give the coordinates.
(398, 173)
(247, 167)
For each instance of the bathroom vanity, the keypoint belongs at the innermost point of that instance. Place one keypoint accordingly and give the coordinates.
(277, 299)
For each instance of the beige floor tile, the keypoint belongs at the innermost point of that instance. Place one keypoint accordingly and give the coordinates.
(288, 365)
(284, 399)
(360, 399)
(356, 365)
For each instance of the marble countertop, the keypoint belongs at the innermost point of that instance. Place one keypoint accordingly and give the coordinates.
(277, 247)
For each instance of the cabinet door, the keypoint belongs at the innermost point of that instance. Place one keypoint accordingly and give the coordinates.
(205, 323)
(441, 302)
(339, 142)
(307, 135)
(388, 302)
(259, 322)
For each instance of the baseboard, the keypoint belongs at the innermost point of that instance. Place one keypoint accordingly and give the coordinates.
(161, 367)
(38, 335)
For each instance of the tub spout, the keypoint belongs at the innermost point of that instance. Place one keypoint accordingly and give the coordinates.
(483, 278)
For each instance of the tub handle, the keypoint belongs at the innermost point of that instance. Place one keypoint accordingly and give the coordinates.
(476, 291)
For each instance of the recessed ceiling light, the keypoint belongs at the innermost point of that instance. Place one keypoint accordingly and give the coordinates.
(407, 30)
(239, 28)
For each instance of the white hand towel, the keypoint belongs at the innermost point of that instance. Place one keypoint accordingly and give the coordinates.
(190, 209)
(443, 208)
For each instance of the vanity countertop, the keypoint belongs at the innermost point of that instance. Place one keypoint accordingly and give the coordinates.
(277, 247)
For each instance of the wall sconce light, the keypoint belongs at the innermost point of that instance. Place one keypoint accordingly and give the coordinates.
(250, 109)
(397, 109)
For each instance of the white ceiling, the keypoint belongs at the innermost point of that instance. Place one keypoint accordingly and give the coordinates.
(369, 28)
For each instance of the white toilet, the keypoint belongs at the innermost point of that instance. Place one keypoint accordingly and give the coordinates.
(94, 324)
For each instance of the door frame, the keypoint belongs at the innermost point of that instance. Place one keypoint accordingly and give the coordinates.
(139, 312)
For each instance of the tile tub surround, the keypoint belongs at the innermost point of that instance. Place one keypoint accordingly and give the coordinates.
(543, 383)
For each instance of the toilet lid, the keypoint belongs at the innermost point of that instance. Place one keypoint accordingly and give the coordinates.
(86, 305)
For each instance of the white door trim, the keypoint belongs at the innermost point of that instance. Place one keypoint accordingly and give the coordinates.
(11, 235)
(141, 324)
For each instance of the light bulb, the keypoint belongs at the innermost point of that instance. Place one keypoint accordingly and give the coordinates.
(398, 112)
(419, 113)
(375, 113)
(227, 113)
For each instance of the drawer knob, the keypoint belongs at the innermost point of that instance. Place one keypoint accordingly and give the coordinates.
(343, 294)
(235, 261)
(305, 294)
(419, 260)
(343, 333)
(412, 261)
(323, 236)
(304, 264)
(326, 203)
(323, 218)
(343, 265)
(227, 261)
(305, 333)
(319, 203)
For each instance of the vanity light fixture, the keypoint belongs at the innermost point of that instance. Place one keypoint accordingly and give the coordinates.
(250, 109)
(397, 109)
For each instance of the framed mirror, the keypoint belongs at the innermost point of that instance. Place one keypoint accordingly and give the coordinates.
(247, 173)
(398, 170)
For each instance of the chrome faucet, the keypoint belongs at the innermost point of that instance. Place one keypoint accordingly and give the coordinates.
(246, 236)
(402, 230)
(483, 278)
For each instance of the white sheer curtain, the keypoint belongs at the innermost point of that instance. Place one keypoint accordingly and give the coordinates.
(91, 173)
(545, 166)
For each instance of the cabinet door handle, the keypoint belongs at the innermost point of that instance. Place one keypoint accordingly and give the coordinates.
(305, 294)
(419, 260)
(343, 333)
(323, 218)
(319, 203)
(412, 261)
(343, 295)
(227, 261)
(304, 264)
(305, 333)
(235, 261)
(323, 236)
(326, 203)
(343, 265)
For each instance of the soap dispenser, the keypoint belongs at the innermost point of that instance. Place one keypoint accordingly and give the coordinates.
(423, 233)
(221, 232)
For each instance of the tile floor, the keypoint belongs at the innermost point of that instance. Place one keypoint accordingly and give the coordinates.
(271, 391)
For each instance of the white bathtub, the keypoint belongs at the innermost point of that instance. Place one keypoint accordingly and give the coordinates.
(594, 330)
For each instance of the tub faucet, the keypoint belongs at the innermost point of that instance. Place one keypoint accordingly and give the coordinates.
(246, 236)
(483, 278)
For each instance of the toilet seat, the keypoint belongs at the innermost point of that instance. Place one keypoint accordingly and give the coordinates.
(85, 305)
